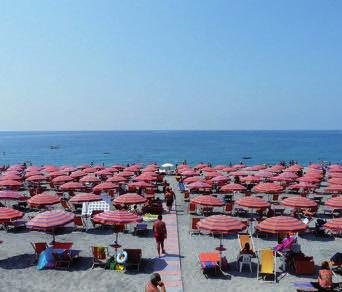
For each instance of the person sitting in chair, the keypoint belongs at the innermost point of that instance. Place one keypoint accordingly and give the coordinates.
(325, 282)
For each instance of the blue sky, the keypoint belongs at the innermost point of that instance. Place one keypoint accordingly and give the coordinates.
(124, 65)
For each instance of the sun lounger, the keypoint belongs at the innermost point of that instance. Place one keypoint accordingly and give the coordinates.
(266, 264)
(100, 255)
(38, 247)
(133, 258)
(245, 238)
(210, 262)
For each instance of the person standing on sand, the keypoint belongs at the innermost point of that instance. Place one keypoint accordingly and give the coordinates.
(154, 283)
(160, 233)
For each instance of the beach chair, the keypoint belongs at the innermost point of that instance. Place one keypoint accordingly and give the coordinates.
(210, 262)
(266, 264)
(80, 223)
(193, 227)
(192, 208)
(228, 209)
(140, 228)
(245, 238)
(62, 245)
(245, 260)
(67, 207)
(133, 258)
(100, 255)
(38, 247)
(65, 258)
(186, 196)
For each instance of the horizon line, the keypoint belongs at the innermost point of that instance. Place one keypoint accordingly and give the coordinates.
(176, 130)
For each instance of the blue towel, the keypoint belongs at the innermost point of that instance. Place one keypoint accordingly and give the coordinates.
(46, 260)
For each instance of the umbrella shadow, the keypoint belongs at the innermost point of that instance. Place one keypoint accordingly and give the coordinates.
(312, 237)
(101, 231)
(17, 262)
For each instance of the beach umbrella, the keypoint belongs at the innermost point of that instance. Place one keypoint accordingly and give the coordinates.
(335, 174)
(212, 174)
(281, 224)
(201, 165)
(220, 179)
(90, 179)
(255, 167)
(106, 186)
(276, 168)
(282, 178)
(192, 179)
(10, 183)
(268, 188)
(335, 203)
(264, 174)
(250, 179)
(207, 200)
(62, 179)
(83, 166)
(89, 170)
(189, 173)
(50, 220)
(140, 184)
(208, 169)
(132, 168)
(198, 185)
(78, 174)
(12, 196)
(334, 189)
(309, 179)
(299, 203)
(294, 168)
(8, 214)
(219, 167)
(118, 166)
(228, 169)
(85, 197)
(145, 177)
(239, 173)
(68, 168)
(10, 176)
(126, 173)
(253, 203)
(229, 188)
(99, 166)
(44, 199)
(130, 199)
(238, 166)
(36, 178)
(303, 186)
(33, 168)
(54, 174)
(104, 172)
(72, 186)
(334, 225)
(32, 173)
(335, 181)
(50, 168)
(117, 179)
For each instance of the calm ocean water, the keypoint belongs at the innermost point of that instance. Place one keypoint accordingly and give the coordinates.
(217, 147)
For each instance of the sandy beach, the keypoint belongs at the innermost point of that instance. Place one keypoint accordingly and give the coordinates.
(18, 272)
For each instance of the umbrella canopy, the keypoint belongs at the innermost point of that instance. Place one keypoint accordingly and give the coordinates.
(250, 179)
(220, 179)
(334, 224)
(264, 174)
(8, 214)
(140, 184)
(36, 178)
(239, 173)
(10, 183)
(44, 199)
(90, 170)
(188, 173)
(208, 201)
(303, 186)
(253, 203)
(299, 203)
(130, 199)
(333, 189)
(335, 181)
(62, 179)
(192, 179)
(309, 179)
(12, 195)
(117, 179)
(90, 179)
(199, 185)
(268, 188)
(32, 173)
(71, 186)
(106, 186)
(146, 177)
(232, 188)
(115, 218)
(276, 168)
(254, 167)
(221, 224)
(126, 173)
(10, 176)
(281, 224)
(335, 203)
(78, 173)
(50, 168)
(50, 219)
(84, 197)
(294, 168)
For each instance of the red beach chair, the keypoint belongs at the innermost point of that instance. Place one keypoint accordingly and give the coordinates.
(39, 247)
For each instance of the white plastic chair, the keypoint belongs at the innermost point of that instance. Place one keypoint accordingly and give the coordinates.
(246, 259)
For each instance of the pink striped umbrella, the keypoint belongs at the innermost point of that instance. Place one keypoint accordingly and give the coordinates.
(206, 200)
(255, 167)
(303, 186)
(229, 188)
(12, 195)
(117, 179)
(146, 177)
(140, 184)
(333, 189)
(44, 199)
(334, 225)
(10, 176)
(253, 203)
(276, 168)
(189, 173)
(238, 173)
(85, 197)
(192, 179)
(281, 224)
(126, 173)
(72, 186)
(32, 173)
(130, 199)
(309, 179)
(268, 188)
(335, 174)
(106, 186)
(62, 179)
(294, 168)
(335, 203)
(50, 168)
(115, 218)
(221, 224)
(10, 183)
(335, 181)
(78, 174)
(199, 185)
(89, 170)
(264, 174)
(36, 178)
(220, 179)
(50, 220)
(299, 203)
(8, 214)
(250, 179)
(90, 179)
(54, 174)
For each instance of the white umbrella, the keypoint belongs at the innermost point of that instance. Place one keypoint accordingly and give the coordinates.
(167, 165)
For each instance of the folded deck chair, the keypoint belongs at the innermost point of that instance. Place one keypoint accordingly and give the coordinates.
(266, 264)
(100, 255)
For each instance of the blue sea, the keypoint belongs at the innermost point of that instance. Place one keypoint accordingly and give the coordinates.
(217, 147)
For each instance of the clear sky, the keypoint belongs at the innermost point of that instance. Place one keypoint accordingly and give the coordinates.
(124, 65)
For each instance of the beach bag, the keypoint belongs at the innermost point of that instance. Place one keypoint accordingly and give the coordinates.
(46, 260)
(110, 264)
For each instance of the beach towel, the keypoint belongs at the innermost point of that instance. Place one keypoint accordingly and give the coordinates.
(46, 260)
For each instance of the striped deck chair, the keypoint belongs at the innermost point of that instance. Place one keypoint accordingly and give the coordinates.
(266, 264)
(245, 238)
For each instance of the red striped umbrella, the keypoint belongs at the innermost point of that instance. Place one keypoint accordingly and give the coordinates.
(126, 173)
(106, 186)
(140, 184)
(12, 195)
(90, 179)
(335, 181)
(299, 203)
(232, 188)
(192, 179)
(282, 178)
(10, 176)
(199, 185)
(294, 168)
(276, 168)
(84, 197)
(208, 201)
(10, 183)
(335, 203)
(33, 168)
(221, 224)
(118, 166)
(44, 199)
(50, 219)
(335, 174)
(212, 174)
(77, 174)
(281, 224)
(90, 170)
(254, 168)
(220, 179)
(104, 172)
(268, 188)
(117, 179)
(72, 186)
(264, 174)
(239, 173)
(115, 218)
(333, 189)
(130, 199)
(8, 214)
(54, 174)
(146, 177)
(251, 179)
(303, 186)
(188, 173)
(62, 179)
(253, 203)
(32, 173)
(309, 179)
(36, 178)
(334, 224)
